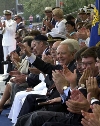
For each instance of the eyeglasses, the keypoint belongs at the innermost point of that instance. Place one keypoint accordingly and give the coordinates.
(87, 64)
(83, 64)
(15, 19)
(78, 63)
(53, 49)
(7, 14)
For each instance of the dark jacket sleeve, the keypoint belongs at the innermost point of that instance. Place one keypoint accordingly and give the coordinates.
(33, 80)
(46, 68)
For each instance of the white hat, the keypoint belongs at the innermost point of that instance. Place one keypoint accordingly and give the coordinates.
(48, 9)
(7, 12)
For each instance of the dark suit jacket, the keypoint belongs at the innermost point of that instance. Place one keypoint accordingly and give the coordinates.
(20, 26)
(47, 68)
(33, 80)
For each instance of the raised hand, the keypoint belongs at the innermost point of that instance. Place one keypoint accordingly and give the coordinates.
(87, 72)
(23, 48)
(14, 56)
(4, 25)
(77, 102)
(91, 119)
(92, 87)
(59, 80)
(96, 111)
(47, 58)
(1, 25)
(70, 77)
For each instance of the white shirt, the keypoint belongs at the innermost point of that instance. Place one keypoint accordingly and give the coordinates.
(9, 33)
(87, 41)
(60, 27)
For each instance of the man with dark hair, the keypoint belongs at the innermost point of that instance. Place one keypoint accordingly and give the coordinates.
(89, 59)
(70, 28)
(70, 18)
(34, 33)
(93, 119)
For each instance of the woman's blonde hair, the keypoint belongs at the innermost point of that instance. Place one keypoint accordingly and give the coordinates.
(58, 12)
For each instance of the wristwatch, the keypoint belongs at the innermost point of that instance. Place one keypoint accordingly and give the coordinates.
(93, 99)
(82, 85)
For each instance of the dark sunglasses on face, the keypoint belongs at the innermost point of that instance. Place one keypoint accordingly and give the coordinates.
(17, 38)
(16, 19)
(48, 11)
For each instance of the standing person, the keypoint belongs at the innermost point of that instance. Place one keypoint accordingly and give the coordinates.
(31, 19)
(82, 13)
(8, 31)
(19, 22)
(1, 52)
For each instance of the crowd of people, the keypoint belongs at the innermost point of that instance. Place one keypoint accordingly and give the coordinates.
(53, 76)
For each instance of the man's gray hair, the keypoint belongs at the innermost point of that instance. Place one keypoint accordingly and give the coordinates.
(73, 42)
(70, 46)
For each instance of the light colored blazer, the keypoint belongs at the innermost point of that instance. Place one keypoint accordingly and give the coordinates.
(24, 65)
(9, 33)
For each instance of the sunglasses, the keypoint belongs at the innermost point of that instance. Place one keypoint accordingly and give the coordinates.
(48, 11)
(15, 19)
(7, 14)
(17, 38)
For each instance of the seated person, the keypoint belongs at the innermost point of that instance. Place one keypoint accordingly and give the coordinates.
(71, 118)
(20, 70)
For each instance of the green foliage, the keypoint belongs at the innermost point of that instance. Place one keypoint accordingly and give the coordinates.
(37, 6)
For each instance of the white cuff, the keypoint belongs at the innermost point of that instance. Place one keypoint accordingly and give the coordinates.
(94, 100)
(26, 78)
(32, 58)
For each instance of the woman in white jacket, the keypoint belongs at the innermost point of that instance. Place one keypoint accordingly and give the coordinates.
(60, 27)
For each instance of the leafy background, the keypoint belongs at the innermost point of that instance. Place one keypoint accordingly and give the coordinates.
(37, 6)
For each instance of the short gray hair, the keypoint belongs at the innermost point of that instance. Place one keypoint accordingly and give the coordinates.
(73, 42)
(70, 47)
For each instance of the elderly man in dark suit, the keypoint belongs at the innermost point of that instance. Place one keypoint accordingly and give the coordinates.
(65, 54)
(77, 102)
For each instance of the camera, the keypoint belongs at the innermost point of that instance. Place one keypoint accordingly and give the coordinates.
(47, 52)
